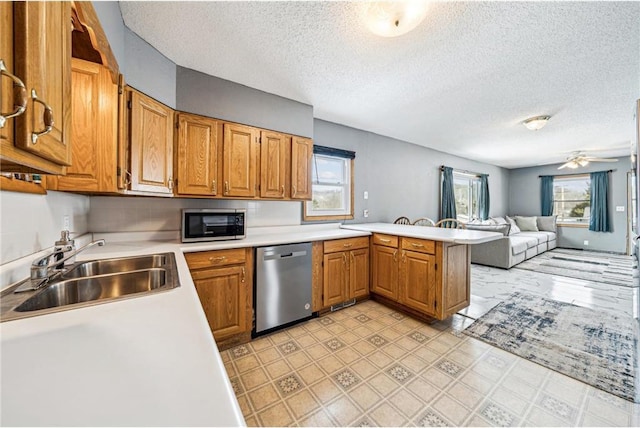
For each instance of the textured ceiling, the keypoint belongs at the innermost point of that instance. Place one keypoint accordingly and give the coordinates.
(461, 82)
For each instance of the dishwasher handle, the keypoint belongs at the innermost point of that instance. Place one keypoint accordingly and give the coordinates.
(276, 256)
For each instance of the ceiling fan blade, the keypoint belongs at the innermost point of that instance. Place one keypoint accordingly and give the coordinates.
(601, 159)
(564, 165)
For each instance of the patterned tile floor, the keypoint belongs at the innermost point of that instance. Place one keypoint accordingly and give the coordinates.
(369, 365)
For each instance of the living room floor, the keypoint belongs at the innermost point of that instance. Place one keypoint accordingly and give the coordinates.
(369, 365)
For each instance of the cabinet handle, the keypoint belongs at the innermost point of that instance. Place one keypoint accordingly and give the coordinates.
(19, 96)
(47, 118)
(417, 245)
(395, 255)
(214, 187)
(348, 245)
(385, 240)
(282, 188)
(344, 260)
(242, 277)
(404, 256)
(295, 190)
(127, 177)
(226, 187)
(170, 183)
(217, 259)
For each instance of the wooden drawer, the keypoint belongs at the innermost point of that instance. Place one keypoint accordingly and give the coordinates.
(346, 244)
(207, 259)
(419, 245)
(386, 240)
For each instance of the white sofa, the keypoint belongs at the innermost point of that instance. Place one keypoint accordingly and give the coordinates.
(517, 245)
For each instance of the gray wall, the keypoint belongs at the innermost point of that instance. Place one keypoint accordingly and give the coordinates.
(214, 97)
(402, 179)
(524, 199)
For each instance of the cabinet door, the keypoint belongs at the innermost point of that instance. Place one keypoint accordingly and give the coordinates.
(358, 273)
(274, 153)
(385, 271)
(239, 160)
(223, 295)
(301, 153)
(418, 281)
(197, 155)
(94, 108)
(335, 277)
(6, 83)
(151, 145)
(456, 280)
(42, 58)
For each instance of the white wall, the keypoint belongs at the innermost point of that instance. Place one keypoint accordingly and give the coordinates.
(30, 223)
(142, 214)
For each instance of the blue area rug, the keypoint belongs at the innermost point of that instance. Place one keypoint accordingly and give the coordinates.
(596, 347)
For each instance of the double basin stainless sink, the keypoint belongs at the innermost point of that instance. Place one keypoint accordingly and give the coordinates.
(93, 282)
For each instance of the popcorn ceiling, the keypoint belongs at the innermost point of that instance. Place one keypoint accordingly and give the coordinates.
(462, 82)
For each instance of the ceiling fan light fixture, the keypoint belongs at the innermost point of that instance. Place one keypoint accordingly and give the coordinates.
(536, 123)
(395, 18)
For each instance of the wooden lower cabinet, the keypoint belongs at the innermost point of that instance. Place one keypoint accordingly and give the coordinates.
(224, 282)
(340, 271)
(429, 278)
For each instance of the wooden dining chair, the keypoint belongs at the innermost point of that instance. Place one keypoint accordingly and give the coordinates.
(450, 223)
(424, 221)
(402, 220)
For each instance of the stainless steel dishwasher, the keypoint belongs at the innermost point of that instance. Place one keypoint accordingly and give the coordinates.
(283, 285)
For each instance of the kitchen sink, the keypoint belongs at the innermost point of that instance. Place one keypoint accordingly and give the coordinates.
(100, 287)
(93, 282)
(101, 267)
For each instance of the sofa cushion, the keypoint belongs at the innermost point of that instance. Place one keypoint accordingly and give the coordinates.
(540, 236)
(514, 227)
(502, 228)
(546, 223)
(527, 223)
(500, 220)
(520, 244)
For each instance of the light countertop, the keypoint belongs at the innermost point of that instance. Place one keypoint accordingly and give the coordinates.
(145, 361)
(456, 236)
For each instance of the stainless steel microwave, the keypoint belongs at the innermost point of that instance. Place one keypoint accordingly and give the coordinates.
(200, 225)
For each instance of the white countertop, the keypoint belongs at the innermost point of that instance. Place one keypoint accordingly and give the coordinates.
(456, 236)
(146, 361)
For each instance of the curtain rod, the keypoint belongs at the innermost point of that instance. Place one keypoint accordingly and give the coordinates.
(464, 171)
(584, 173)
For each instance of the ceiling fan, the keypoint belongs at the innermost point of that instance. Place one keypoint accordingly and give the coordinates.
(578, 159)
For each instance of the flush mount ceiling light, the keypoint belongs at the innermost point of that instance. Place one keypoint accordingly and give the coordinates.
(395, 18)
(536, 123)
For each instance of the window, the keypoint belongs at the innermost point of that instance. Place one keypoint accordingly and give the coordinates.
(466, 188)
(332, 185)
(572, 199)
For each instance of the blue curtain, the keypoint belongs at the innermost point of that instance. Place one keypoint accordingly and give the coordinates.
(546, 195)
(448, 203)
(599, 221)
(483, 197)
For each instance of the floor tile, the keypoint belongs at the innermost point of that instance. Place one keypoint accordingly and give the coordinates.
(385, 415)
(325, 390)
(431, 418)
(275, 416)
(497, 415)
(255, 378)
(344, 411)
(406, 403)
(311, 374)
(319, 418)
(365, 396)
(451, 409)
(263, 397)
(302, 403)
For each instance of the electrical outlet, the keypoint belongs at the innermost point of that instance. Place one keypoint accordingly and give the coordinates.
(366, 194)
(66, 222)
(586, 242)
(366, 213)
(620, 208)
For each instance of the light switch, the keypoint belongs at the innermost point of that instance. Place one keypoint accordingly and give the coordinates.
(366, 194)
(620, 208)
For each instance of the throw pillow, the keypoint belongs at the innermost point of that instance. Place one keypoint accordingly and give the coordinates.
(500, 228)
(514, 227)
(500, 220)
(546, 223)
(527, 224)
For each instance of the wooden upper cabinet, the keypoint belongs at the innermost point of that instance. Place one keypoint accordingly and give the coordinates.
(42, 56)
(150, 145)
(94, 107)
(197, 155)
(240, 160)
(301, 154)
(274, 167)
(7, 82)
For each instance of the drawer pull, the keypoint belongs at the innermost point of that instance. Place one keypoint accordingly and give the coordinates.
(384, 240)
(242, 277)
(214, 187)
(417, 245)
(47, 118)
(217, 259)
(395, 255)
(348, 245)
(295, 190)
(282, 188)
(226, 187)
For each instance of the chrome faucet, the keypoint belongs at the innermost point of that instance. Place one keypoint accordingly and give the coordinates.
(44, 270)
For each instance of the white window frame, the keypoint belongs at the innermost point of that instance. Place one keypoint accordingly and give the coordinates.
(473, 188)
(338, 214)
(570, 221)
